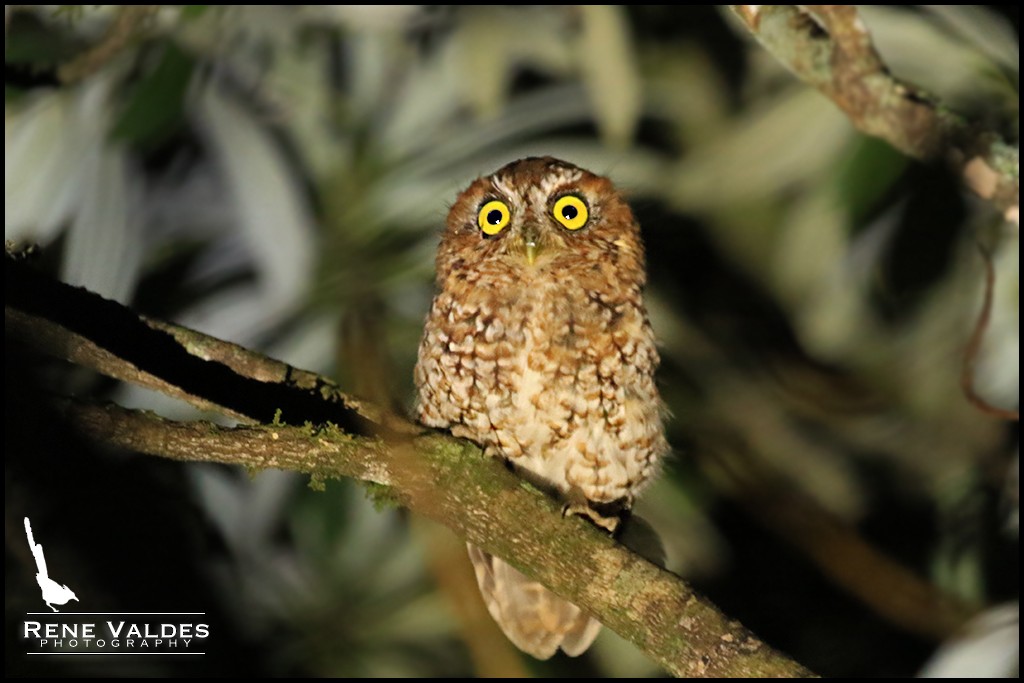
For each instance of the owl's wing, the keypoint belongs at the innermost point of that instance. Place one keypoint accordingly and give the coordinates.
(536, 620)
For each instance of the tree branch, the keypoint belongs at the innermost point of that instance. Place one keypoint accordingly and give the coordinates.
(210, 374)
(440, 477)
(321, 452)
(827, 46)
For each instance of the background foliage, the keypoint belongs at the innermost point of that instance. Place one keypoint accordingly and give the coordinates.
(278, 176)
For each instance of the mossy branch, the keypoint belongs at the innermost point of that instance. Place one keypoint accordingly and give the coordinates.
(303, 423)
(828, 46)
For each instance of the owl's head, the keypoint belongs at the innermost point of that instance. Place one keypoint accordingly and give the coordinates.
(539, 217)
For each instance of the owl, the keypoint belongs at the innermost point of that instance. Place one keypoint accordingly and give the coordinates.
(537, 347)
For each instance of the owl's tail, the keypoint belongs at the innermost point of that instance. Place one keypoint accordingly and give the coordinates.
(536, 620)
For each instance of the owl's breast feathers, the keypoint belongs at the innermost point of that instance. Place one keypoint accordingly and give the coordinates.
(553, 371)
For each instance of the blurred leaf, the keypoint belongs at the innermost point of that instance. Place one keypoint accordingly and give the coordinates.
(685, 87)
(42, 165)
(990, 648)
(301, 93)
(609, 71)
(948, 66)
(988, 32)
(272, 214)
(372, 18)
(482, 45)
(619, 658)
(865, 175)
(245, 510)
(766, 151)
(193, 11)
(155, 105)
(422, 100)
(362, 607)
(104, 248)
(30, 41)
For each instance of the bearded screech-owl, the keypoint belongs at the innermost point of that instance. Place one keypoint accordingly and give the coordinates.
(538, 348)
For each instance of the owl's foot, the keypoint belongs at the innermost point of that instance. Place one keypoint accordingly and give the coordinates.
(607, 516)
(609, 524)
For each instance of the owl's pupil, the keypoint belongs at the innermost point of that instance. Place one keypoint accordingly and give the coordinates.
(569, 213)
(494, 217)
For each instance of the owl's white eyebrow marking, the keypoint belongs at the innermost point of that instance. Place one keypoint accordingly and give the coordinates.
(537, 195)
(503, 186)
(551, 182)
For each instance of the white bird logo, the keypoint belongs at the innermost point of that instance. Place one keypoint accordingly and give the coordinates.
(53, 592)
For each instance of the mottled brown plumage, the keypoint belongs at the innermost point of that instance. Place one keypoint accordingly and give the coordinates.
(538, 347)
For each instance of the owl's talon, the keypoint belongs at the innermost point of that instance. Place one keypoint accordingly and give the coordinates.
(609, 524)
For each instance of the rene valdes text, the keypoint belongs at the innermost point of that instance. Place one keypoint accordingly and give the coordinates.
(114, 635)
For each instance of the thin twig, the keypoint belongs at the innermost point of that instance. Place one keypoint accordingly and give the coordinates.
(974, 348)
(125, 28)
(829, 47)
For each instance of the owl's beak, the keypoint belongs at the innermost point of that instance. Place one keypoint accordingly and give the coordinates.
(531, 243)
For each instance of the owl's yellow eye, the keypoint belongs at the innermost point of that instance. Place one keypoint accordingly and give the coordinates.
(493, 217)
(571, 212)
